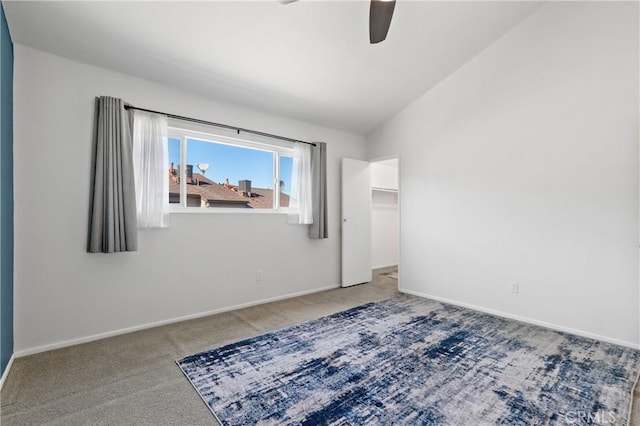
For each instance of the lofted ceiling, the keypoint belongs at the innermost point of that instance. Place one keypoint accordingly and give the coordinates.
(308, 60)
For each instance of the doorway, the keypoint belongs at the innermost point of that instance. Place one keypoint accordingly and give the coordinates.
(385, 217)
(370, 220)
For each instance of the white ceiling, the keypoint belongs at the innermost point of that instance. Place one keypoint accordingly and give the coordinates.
(309, 60)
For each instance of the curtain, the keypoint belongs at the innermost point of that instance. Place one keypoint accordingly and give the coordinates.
(319, 227)
(112, 212)
(301, 189)
(150, 167)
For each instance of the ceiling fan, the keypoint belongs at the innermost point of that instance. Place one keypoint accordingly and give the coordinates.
(380, 13)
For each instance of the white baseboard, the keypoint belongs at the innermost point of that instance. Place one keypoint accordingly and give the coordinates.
(523, 319)
(6, 371)
(100, 336)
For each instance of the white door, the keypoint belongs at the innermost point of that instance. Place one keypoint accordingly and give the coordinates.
(356, 249)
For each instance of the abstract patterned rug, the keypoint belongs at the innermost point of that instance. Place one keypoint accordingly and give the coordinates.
(415, 361)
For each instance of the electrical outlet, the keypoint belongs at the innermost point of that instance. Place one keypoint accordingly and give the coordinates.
(514, 287)
(258, 275)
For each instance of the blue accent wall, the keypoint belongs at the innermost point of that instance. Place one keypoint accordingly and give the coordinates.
(6, 193)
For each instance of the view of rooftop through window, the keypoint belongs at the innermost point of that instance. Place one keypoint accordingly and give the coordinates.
(224, 175)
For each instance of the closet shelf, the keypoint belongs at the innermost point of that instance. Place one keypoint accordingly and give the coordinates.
(375, 188)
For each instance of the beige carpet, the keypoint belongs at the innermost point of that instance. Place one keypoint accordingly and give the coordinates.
(133, 380)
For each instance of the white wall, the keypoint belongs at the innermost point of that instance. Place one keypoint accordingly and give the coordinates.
(384, 213)
(384, 174)
(523, 166)
(204, 262)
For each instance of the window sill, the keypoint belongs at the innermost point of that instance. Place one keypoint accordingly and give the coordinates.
(230, 210)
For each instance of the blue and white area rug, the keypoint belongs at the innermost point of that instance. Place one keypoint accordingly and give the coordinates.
(416, 362)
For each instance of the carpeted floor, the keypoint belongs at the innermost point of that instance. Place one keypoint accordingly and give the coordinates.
(133, 380)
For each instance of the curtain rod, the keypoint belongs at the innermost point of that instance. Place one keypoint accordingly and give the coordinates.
(225, 126)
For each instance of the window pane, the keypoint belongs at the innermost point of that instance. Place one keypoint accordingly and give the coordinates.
(286, 168)
(174, 164)
(219, 175)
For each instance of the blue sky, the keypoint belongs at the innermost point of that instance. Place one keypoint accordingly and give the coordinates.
(233, 162)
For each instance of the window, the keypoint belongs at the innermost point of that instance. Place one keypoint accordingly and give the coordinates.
(210, 171)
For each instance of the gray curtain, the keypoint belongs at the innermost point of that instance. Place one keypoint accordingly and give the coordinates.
(319, 228)
(112, 212)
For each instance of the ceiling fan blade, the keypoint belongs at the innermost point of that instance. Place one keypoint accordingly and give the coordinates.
(380, 14)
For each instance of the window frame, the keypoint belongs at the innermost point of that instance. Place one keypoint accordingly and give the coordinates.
(182, 133)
